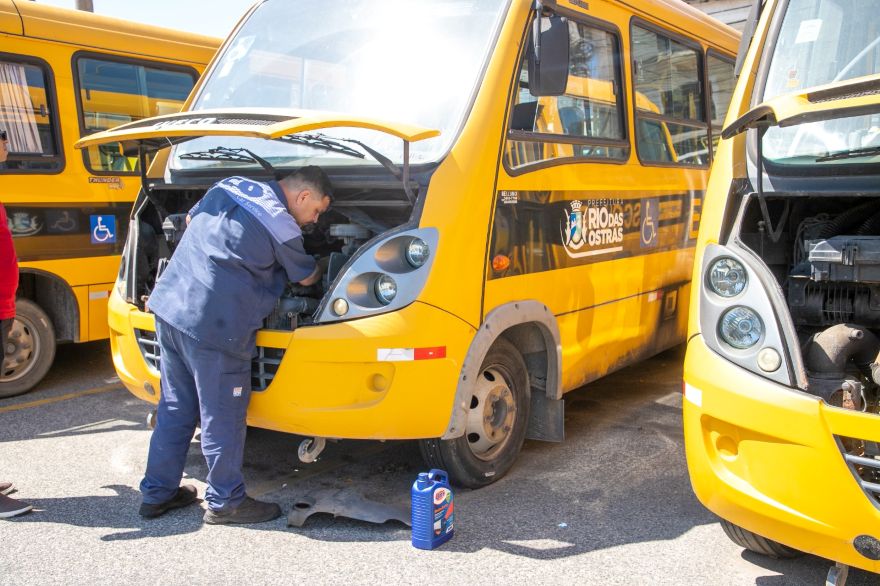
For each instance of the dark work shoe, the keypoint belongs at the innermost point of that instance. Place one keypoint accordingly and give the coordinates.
(186, 495)
(9, 507)
(5, 487)
(249, 511)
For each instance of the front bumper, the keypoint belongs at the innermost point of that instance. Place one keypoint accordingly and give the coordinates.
(769, 459)
(327, 380)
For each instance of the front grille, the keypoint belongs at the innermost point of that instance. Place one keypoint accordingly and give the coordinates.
(863, 458)
(263, 367)
(149, 347)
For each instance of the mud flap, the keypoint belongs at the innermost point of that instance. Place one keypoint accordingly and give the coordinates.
(546, 419)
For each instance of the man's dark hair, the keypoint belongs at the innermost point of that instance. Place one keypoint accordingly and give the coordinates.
(314, 176)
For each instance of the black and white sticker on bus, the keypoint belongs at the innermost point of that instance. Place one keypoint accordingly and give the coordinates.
(54, 231)
(536, 231)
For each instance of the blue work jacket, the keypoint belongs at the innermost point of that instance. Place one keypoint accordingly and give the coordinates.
(239, 251)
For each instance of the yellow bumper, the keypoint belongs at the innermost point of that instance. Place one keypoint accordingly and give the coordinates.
(765, 458)
(330, 382)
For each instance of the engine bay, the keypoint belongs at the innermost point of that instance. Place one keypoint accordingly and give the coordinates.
(355, 217)
(825, 254)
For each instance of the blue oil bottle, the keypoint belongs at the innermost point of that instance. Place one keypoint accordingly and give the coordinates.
(432, 510)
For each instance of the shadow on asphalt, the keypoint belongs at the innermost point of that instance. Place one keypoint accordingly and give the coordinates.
(802, 570)
(116, 512)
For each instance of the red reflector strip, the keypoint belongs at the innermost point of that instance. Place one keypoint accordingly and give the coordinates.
(429, 353)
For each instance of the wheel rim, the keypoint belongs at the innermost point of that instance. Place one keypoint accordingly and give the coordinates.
(22, 349)
(491, 414)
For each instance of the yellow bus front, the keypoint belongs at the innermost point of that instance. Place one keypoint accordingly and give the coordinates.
(491, 244)
(781, 379)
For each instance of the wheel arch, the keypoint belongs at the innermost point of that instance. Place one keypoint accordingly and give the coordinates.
(531, 327)
(54, 296)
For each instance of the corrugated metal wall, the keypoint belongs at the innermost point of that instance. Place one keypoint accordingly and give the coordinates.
(732, 12)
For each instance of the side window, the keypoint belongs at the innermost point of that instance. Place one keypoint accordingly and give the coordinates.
(28, 116)
(670, 122)
(721, 84)
(587, 121)
(117, 92)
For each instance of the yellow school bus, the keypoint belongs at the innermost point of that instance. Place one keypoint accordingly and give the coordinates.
(509, 221)
(65, 74)
(781, 375)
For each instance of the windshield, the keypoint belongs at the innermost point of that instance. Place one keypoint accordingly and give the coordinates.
(821, 42)
(410, 61)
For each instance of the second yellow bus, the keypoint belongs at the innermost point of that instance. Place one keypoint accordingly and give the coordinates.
(517, 194)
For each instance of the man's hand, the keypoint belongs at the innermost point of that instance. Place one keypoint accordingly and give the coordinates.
(4, 150)
(320, 268)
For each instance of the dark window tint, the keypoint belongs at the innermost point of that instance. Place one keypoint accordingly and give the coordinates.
(668, 90)
(27, 116)
(114, 93)
(721, 84)
(589, 114)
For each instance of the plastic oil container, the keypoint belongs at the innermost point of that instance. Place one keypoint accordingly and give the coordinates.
(432, 510)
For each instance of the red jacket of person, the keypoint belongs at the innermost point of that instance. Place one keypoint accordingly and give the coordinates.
(8, 269)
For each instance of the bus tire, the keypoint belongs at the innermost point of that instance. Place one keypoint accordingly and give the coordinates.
(754, 542)
(496, 423)
(30, 349)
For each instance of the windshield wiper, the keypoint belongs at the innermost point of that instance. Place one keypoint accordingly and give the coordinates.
(851, 154)
(316, 140)
(319, 141)
(239, 155)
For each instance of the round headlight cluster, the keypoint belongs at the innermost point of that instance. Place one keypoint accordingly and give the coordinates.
(417, 252)
(386, 289)
(741, 327)
(727, 277)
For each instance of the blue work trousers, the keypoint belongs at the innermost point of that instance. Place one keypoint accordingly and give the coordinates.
(198, 382)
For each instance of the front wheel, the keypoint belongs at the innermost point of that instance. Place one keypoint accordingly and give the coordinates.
(754, 542)
(497, 418)
(30, 349)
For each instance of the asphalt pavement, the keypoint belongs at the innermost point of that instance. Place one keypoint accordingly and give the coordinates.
(610, 505)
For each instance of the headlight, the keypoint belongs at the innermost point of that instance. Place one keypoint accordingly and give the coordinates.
(417, 252)
(386, 289)
(741, 327)
(727, 277)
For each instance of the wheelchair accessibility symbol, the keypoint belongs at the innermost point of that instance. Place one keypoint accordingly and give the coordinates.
(103, 229)
(650, 218)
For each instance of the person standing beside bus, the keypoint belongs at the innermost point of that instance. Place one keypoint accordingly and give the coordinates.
(243, 243)
(9, 507)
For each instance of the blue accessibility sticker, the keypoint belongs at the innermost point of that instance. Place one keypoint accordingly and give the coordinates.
(103, 229)
(650, 222)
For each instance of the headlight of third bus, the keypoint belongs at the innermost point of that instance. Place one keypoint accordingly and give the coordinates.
(741, 327)
(417, 252)
(386, 289)
(727, 277)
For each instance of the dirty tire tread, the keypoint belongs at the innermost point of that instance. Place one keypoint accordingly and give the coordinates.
(46, 330)
(754, 542)
(454, 456)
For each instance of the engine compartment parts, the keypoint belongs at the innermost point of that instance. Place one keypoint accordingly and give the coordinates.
(826, 260)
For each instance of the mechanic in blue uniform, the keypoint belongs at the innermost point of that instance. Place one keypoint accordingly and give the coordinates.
(243, 243)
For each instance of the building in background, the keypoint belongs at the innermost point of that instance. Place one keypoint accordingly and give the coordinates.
(732, 12)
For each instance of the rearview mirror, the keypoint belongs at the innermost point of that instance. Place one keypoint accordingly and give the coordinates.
(548, 56)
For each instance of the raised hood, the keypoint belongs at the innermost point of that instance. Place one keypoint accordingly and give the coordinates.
(840, 100)
(163, 131)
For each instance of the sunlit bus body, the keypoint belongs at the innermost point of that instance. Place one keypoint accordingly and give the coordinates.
(554, 254)
(65, 74)
(781, 411)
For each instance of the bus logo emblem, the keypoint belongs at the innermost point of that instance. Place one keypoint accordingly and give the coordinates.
(574, 233)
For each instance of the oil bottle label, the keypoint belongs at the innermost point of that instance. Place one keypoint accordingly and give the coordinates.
(443, 511)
